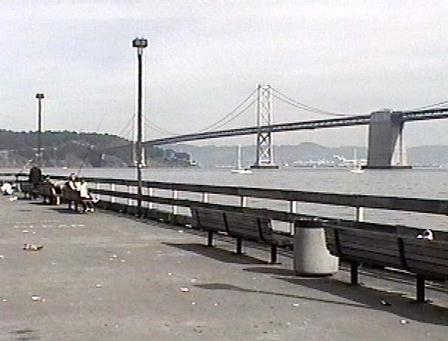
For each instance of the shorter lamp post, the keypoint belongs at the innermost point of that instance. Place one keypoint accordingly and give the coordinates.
(39, 97)
(140, 44)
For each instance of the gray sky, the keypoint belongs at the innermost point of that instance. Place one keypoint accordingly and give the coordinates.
(206, 56)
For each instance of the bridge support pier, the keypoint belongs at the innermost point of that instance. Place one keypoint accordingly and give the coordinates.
(385, 149)
(265, 144)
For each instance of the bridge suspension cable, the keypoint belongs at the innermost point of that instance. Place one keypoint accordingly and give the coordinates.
(227, 118)
(152, 125)
(163, 132)
(229, 114)
(241, 112)
(288, 100)
(125, 130)
(432, 105)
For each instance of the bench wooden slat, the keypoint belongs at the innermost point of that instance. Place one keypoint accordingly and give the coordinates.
(372, 257)
(360, 226)
(209, 219)
(418, 266)
(391, 251)
(361, 259)
(366, 233)
(422, 243)
(249, 227)
(426, 258)
(368, 241)
(411, 249)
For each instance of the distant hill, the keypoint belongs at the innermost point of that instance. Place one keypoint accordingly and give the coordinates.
(212, 156)
(71, 149)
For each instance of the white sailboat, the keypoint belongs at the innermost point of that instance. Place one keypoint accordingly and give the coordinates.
(356, 168)
(239, 169)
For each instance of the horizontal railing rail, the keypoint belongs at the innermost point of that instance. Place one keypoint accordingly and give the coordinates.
(262, 212)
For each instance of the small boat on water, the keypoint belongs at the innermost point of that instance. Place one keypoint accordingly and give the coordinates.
(357, 169)
(239, 169)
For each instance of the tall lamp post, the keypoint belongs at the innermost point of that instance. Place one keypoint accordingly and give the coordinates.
(39, 97)
(140, 44)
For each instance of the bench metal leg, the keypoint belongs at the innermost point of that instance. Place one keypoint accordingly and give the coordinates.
(210, 238)
(239, 246)
(354, 273)
(420, 288)
(273, 254)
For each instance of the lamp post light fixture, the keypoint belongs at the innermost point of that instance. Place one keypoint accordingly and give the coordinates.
(140, 44)
(39, 97)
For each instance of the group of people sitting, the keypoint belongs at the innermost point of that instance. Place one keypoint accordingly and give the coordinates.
(79, 185)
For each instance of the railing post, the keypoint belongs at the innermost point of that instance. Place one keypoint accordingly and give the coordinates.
(174, 197)
(204, 197)
(149, 191)
(359, 214)
(243, 201)
(18, 185)
(129, 192)
(292, 209)
(112, 188)
(97, 186)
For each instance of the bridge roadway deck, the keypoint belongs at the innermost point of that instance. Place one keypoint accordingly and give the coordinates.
(88, 294)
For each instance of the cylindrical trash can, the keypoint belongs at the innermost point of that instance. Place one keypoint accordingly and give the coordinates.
(311, 256)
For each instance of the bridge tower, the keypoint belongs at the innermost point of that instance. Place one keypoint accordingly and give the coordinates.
(265, 145)
(386, 149)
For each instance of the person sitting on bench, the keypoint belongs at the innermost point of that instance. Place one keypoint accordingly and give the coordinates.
(72, 185)
(86, 199)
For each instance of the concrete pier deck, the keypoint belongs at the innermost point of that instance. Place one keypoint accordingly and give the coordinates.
(104, 276)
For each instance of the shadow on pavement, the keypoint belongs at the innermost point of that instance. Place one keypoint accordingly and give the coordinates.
(271, 270)
(398, 303)
(221, 255)
(395, 302)
(24, 334)
(65, 210)
(359, 297)
(223, 286)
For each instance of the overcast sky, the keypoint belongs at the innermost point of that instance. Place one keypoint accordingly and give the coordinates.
(204, 57)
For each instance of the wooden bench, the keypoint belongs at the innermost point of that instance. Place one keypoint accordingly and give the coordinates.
(240, 226)
(49, 193)
(397, 247)
(28, 190)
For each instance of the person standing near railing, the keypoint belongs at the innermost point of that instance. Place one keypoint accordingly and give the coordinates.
(35, 178)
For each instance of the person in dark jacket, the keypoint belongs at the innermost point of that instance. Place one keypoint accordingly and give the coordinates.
(35, 178)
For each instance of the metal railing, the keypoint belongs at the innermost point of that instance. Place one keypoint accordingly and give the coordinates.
(291, 197)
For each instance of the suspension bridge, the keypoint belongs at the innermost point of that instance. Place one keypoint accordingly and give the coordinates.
(385, 140)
